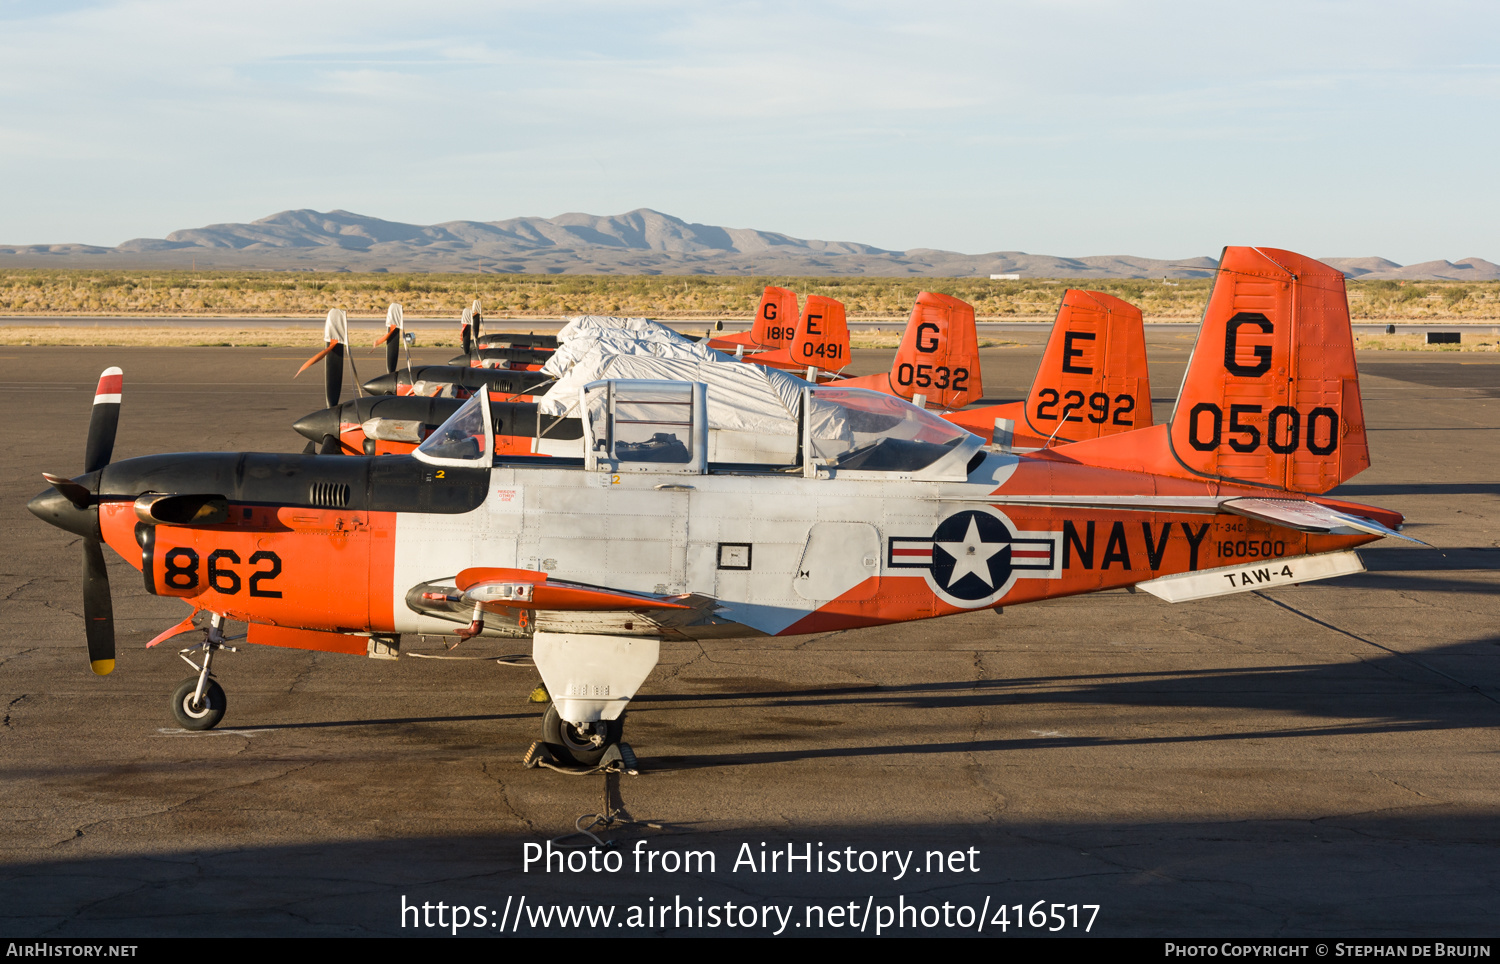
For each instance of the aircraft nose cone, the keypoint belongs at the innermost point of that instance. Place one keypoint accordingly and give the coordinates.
(318, 424)
(462, 361)
(53, 508)
(379, 385)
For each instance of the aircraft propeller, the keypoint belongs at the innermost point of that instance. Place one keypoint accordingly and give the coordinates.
(98, 610)
(395, 327)
(336, 335)
(469, 322)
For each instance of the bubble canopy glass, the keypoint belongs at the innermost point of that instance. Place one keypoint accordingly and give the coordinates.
(465, 438)
(854, 429)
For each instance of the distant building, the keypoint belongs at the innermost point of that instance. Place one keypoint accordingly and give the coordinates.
(1005, 277)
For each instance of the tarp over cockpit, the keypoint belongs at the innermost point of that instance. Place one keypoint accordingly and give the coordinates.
(741, 398)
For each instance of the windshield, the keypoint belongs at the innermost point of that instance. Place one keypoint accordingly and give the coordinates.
(853, 428)
(462, 437)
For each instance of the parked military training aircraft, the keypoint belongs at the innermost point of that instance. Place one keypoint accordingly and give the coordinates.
(882, 513)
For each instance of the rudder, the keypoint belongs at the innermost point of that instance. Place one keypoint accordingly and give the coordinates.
(775, 318)
(1094, 380)
(822, 337)
(939, 353)
(1271, 395)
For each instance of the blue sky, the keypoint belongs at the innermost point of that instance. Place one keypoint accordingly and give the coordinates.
(1071, 128)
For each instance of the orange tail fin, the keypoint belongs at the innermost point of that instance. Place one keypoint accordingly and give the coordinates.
(1093, 380)
(775, 319)
(939, 354)
(938, 357)
(1271, 395)
(821, 340)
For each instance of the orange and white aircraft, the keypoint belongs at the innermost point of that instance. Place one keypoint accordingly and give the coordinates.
(875, 512)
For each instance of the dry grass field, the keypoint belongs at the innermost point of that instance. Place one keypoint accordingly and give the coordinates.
(37, 292)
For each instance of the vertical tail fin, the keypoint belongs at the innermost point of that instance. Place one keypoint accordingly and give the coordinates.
(1093, 380)
(1271, 394)
(822, 337)
(938, 356)
(775, 318)
(939, 353)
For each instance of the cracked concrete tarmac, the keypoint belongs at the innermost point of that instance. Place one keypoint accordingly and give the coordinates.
(1310, 761)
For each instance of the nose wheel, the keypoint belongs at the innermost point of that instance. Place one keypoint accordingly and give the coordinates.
(195, 712)
(199, 702)
(581, 745)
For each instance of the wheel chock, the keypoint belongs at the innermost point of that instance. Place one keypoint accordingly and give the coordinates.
(622, 754)
(619, 758)
(538, 755)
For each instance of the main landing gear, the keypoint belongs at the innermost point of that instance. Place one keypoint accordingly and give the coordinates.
(199, 702)
(580, 744)
(590, 679)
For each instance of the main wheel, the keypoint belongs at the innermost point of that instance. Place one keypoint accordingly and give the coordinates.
(201, 716)
(580, 746)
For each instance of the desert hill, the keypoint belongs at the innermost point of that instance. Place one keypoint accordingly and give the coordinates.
(639, 242)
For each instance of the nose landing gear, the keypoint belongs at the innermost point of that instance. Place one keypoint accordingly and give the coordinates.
(199, 702)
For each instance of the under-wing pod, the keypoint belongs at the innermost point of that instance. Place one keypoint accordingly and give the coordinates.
(1271, 394)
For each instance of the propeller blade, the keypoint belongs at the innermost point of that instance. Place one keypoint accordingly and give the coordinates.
(393, 350)
(75, 493)
(104, 421)
(98, 610)
(333, 374)
(331, 446)
(314, 360)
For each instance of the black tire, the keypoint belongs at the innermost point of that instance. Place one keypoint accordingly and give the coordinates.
(575, 747)
(205, 716)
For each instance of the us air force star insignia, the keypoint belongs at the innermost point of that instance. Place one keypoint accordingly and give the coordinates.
(974, 557)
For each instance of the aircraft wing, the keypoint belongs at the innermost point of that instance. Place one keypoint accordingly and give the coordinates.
(1302, 515)
(497, 590)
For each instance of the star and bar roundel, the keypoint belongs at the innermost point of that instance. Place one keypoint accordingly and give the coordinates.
(974, 557)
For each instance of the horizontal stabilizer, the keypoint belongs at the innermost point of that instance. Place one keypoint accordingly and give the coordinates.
(1307, 516)
(1273, 574)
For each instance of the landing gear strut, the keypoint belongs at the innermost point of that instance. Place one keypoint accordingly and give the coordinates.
(199, 702)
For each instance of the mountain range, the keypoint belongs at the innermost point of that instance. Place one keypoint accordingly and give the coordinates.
(640, 242)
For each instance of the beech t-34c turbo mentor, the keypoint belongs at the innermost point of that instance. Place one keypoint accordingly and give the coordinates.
(882, 513)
